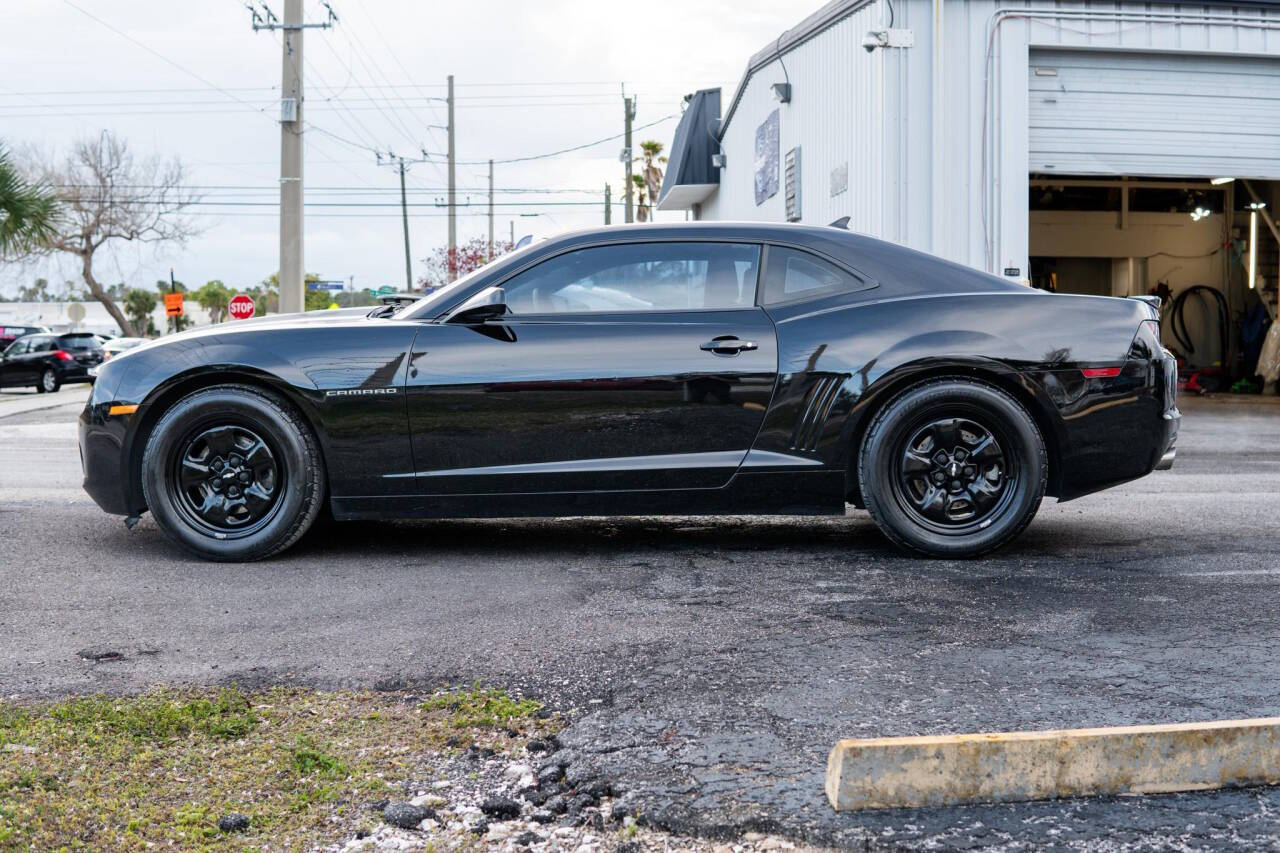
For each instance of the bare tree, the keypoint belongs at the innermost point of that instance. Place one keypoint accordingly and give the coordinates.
(109, 197)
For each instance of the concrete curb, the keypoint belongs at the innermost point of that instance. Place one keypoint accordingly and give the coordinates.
(1016, 766)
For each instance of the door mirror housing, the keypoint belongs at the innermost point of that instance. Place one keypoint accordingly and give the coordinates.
(488, 304)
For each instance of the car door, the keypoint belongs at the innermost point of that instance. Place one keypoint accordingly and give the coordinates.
(632, 366)
(38, 357)
(13, 365)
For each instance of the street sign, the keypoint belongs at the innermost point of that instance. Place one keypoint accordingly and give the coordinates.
(326, 285)
(385, 290)
(240, 307)
(75, 311)
(173, 304)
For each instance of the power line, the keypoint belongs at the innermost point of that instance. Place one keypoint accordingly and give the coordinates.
(166, 59)
(574, 148)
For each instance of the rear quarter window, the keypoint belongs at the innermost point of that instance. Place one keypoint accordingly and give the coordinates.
(792, 275)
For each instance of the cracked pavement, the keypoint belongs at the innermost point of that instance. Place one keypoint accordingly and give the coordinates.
(712, 663)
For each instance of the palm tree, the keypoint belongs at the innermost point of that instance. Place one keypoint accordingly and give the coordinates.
(650, 177)
(29, 213)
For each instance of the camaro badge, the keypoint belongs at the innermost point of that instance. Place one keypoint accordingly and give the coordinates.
(352, 392)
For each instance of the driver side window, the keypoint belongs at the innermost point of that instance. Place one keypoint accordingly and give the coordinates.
(634, 277)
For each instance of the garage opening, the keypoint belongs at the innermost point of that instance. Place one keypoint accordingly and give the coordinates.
(1157, 173)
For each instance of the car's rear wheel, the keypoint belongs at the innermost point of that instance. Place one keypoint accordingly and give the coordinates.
(49, 382)
(953, 468)
(233, 473)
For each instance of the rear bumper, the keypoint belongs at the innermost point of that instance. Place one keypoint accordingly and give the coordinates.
(1172, 420)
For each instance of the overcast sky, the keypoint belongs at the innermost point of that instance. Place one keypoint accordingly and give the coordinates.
(531, 78)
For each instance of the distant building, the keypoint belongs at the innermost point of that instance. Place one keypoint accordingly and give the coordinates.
(53, 315)
(1085, 146)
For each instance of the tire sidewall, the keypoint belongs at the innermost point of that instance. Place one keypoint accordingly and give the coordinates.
(227, 405)
(990, 407)
(49, 387)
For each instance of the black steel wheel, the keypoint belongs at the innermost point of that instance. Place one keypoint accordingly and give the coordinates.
(233, 473)
(953, 468)
(227, 479)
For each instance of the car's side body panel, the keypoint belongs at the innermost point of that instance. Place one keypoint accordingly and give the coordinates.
(838, 365)
(346, 374)
(630, 401)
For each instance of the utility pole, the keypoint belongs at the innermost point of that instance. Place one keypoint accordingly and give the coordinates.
(489, 257)
(608, 205)
(291, 234)
(404, 216)
(628, 113)
(453, 190)
(402, 165)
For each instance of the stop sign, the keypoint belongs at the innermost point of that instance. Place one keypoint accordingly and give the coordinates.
(240, 307)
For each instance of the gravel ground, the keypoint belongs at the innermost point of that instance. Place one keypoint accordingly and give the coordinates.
(708, 665)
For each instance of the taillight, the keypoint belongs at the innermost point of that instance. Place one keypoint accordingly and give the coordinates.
(63, 355)
(1100, 372)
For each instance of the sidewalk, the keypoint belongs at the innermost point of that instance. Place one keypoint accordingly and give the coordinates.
(14, 402)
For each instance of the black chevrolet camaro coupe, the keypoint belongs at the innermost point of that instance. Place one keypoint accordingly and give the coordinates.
(699, 368)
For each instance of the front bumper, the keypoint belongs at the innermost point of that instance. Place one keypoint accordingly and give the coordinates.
(102, 454)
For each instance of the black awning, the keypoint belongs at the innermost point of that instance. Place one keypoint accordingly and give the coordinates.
(689, 160)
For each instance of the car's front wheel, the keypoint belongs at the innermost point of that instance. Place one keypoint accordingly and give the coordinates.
(953, 468)
(233, 473)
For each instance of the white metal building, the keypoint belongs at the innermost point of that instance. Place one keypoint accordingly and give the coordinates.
(1066, 141)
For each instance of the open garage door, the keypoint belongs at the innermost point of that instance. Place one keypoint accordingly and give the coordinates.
(1119, 113)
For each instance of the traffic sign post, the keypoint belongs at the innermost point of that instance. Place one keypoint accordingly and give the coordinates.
(241, 307)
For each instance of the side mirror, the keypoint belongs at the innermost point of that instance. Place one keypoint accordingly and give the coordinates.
(488, 304)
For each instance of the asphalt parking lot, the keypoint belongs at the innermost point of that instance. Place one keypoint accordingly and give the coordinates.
(713, 662)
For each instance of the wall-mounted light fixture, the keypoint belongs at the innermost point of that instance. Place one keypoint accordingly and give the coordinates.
(782, 92)
(1253, 242)
(1217, 182)
(1199, 213)
(718, 160)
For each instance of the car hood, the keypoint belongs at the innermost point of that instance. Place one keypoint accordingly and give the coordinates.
(309, 319)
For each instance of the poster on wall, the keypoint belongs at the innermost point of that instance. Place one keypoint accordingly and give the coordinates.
(767, 158)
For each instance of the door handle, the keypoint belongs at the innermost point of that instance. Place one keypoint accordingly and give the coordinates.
(728, 345)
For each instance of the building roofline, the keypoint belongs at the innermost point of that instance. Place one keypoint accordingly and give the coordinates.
(837, 10)
(817, 23)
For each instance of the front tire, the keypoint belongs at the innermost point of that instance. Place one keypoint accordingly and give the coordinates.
(232, 473)
(953, 468)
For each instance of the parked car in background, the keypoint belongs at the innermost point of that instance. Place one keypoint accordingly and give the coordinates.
(9, 334)
(115, 346)
(48, 361)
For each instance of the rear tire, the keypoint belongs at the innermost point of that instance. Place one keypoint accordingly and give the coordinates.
(49, 382)
(953, 468)
(232, 473)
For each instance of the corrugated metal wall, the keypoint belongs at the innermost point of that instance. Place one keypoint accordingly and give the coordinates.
(936, 135)
(836, 116)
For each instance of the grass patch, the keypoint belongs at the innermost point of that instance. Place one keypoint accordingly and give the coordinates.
(482, 708)
(161, 768)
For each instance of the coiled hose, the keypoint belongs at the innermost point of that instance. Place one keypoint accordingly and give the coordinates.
(1178, 320)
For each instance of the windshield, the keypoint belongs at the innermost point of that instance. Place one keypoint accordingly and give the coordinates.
(437, 300)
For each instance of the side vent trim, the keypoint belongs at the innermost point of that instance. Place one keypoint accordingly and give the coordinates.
(818, 403)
